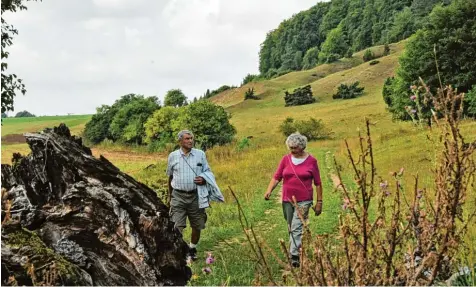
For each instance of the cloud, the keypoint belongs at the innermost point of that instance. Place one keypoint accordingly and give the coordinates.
(76, 55)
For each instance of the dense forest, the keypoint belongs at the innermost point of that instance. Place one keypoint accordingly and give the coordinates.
(331, 30)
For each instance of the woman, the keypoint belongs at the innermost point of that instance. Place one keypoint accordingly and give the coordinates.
(298, 169)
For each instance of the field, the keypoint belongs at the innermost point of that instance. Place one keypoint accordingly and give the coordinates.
(248, 171)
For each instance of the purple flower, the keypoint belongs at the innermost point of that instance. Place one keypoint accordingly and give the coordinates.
(413, 98)
(384, 184)
(419, 193)
(207, 270)
(387, 193)
(346, 204)
(210, 258)
(413, 111)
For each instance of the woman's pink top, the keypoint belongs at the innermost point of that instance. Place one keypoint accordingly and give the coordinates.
(307, 172)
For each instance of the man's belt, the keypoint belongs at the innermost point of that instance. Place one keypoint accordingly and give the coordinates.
(186, 191)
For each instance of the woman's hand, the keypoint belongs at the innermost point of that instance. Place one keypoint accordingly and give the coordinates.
(267, 195)
(318, 208)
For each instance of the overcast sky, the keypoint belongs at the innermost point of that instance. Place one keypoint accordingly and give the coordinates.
(75, 55)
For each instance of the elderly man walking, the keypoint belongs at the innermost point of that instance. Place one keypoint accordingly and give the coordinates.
(191, 186)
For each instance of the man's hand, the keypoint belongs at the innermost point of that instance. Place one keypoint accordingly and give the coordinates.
(267, 195)
(199, 180)
(318, 208)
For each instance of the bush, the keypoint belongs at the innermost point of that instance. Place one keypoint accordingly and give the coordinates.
(313, 129)
(242, 144)
(127, 125)
(158, 128)
(374, 62)
(250, 94)
(122, 121)
(386, 50)
(300, 96)
(24, 114)
(387, 90)
(348, 91)
(209, 123)
(368, 55)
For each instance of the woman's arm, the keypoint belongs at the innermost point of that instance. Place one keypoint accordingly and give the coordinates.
(271, 186)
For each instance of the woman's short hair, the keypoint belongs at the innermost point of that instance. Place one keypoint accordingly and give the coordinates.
(296, 139)
(182, 133)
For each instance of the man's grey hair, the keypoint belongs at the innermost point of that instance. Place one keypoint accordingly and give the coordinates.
(182, 133)
(296, 139)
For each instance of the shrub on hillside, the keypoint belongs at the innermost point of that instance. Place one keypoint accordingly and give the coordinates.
(368, 55)
(250, 94)
(386, 50)
(450, 33)
(313, 129)
(374, 62)
(24, 114)
(300, 96)
(351, 91)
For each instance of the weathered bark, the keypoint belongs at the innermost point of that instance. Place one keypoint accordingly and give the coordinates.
(98, 225)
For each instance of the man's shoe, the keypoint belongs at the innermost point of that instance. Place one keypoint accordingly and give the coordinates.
(295, 261)
(192, 252)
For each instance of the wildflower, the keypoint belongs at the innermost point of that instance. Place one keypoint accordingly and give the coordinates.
(413, 111)
(346, 203)
(419, 193)
(384, 184)
(387, 193)
(207, 270)
(413, 98)
(210, 258)
(195, 277)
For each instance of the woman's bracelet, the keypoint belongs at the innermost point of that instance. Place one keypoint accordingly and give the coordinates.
(319, 201)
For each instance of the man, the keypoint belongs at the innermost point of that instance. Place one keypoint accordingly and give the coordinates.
(186, 169)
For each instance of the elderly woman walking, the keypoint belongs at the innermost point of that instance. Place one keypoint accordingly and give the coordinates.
(299, 170)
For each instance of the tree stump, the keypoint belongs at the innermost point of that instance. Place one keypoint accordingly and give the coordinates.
(69, 218)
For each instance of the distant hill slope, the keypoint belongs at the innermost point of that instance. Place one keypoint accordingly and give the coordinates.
(276, 87)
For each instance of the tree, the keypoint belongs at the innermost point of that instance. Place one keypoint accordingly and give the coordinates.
(209, 123)
(128, 123)
(11, 84)
(122, 121)
(403, 26)
(311, 58)
(249, 78)
(159, 125)
(450, 33)
(334, 47)
(24, 114)
(175, 98)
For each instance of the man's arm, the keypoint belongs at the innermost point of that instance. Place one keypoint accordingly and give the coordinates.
(169, 196)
